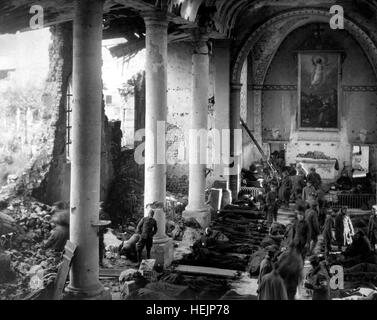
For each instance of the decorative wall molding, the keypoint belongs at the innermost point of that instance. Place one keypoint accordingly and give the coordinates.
(292, 87)
(273, 87)
(359, 88)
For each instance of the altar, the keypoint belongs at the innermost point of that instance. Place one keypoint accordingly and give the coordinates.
(325, 168)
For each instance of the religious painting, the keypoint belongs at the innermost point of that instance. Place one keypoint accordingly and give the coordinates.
(318, 87)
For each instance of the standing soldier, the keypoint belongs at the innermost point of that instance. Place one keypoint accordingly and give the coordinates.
(327, 233)
(314, 178)
(372, 228)
(272, 286)
(104, 216)
(298, 184)
(311, 217)
(285, 189)
(339, 229)
(309, 192)
(272, 204)
(300, 231)
(291, 267)
(147, 228)
(301, 171)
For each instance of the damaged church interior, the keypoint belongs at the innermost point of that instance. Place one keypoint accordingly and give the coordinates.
(188, 150)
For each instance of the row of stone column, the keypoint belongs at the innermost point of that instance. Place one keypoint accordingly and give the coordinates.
(156, 111)
(86, 138)
(156, 118)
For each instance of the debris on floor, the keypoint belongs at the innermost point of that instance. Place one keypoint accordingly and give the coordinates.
(25, 246)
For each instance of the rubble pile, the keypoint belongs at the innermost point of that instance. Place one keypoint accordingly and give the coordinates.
(25, 246)
(33, 218)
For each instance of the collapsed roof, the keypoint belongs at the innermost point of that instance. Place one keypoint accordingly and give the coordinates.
(223, 19)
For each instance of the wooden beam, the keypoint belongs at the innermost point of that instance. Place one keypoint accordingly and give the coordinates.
(64, 268)
(110, 273)
(204, 271)
(16, 16)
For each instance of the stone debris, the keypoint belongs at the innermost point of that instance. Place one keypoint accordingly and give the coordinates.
(27, 247)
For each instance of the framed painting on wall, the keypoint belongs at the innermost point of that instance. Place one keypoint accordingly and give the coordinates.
(319, 90)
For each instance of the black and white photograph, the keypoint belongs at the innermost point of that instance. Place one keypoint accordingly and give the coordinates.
(190, 154)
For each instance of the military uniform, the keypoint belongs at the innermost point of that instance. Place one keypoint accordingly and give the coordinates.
(372, 231)
(319, 282)
(147, 228)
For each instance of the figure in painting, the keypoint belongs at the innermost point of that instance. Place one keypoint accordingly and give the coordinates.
(319, 78)
(318, 75)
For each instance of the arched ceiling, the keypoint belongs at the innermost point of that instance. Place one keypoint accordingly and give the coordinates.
(234, 17)
(231, 16)
(264, 41)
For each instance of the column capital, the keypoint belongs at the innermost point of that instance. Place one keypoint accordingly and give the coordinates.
(199, 38)
(155, 18)
(235, 86)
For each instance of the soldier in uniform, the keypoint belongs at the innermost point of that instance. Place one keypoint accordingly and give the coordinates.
(147, 228)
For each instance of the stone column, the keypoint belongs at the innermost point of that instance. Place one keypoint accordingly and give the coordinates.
(155, 126)
(86, 150)
(257, 94)
(235, 144)
(222, 96)
(198, 144)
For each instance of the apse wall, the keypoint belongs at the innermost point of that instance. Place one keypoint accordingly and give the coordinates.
(358, 108)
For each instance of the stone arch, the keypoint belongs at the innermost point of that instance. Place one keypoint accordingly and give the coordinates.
(266, 40)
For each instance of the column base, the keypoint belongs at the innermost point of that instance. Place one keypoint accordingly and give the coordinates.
(163, 252)
(234, 187)
(71, 294)
(203, 216)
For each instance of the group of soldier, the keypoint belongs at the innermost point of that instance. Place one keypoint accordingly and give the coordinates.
(315, 228)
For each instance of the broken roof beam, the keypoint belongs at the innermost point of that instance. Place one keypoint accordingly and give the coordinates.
(142, 6)
(16, 16)
(134, 46)
(127, 49)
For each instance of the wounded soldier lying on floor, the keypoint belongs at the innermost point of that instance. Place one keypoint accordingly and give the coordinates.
(246, 201)
(211, 238)
(359, 251)
(128, 248)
